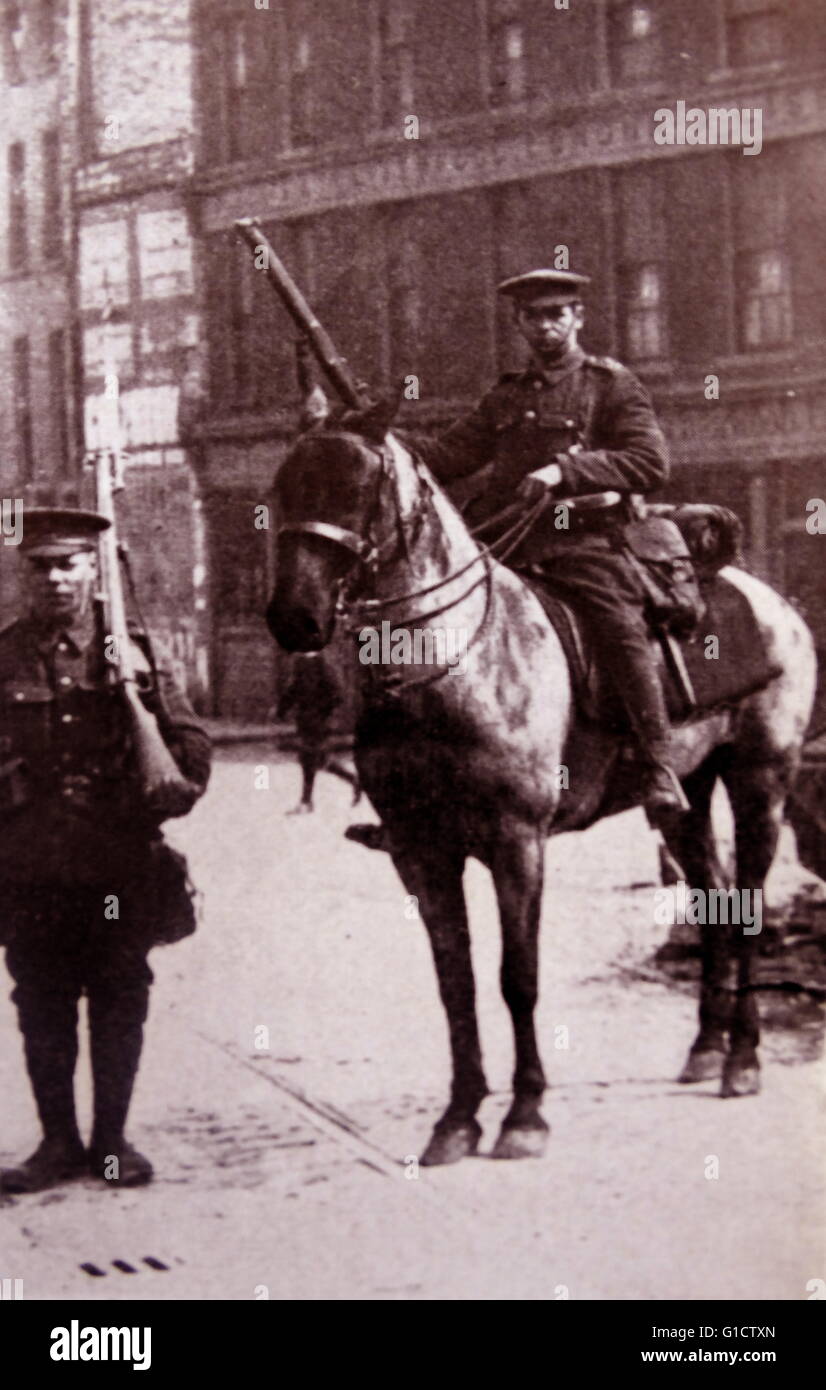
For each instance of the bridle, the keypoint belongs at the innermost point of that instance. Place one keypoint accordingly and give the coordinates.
(368, 551)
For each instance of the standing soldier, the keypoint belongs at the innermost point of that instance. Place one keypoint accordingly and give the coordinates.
(88, 884)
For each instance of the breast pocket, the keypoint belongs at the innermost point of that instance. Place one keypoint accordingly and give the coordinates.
(25, 738)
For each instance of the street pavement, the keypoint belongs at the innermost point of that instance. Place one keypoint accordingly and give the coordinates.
(296, 1059)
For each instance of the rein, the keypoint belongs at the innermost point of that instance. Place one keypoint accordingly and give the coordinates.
(368, 553)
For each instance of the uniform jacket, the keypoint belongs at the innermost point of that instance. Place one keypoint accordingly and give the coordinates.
(70, 804)
(532, 418)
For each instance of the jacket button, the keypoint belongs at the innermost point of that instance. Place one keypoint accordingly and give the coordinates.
(530, 414)
(570, 424)
(65, 680)
(67, 718)
(19, 695)
(537, 386)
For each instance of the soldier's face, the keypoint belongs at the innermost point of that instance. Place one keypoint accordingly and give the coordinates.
(60, 587)
(549, 327)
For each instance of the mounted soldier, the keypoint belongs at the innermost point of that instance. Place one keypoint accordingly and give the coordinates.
(571, 424)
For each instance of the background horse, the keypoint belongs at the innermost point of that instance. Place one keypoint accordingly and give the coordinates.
(485, 756)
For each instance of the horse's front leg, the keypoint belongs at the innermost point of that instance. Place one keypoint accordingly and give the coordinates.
(434, 876)
(518, 872)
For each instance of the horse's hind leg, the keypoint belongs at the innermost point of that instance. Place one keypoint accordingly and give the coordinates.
(435, 879)
(691, 840)
(518, 869)
(757, 792)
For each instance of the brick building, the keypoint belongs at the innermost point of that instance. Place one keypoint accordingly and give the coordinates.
(402, 165)
(98, 289)
(40, 405)
(534, 124)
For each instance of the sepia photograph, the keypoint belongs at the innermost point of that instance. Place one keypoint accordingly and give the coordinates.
(412, 593)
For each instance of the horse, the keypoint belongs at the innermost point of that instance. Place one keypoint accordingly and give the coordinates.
(486, 754)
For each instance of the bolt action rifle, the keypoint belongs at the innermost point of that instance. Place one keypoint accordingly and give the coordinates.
(123, 664)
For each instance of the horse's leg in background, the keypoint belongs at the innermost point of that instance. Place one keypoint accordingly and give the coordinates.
(518, 872)
(757, 792)
(434, 876)
(691, 840)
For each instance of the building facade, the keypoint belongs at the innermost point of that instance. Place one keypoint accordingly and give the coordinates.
(98, 295)
(40, 400)
(403, 165)
(404, 156)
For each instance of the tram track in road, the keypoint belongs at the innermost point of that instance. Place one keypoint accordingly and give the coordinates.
(449, 1200)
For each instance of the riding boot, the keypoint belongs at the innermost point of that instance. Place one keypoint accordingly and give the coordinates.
(640, 690)
(116, 1044)
(51, 1055)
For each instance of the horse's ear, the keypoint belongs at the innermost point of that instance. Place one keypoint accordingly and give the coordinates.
(315, 408)
(375, 421)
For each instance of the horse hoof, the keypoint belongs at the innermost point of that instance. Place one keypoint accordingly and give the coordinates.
(449, 1143)
(704, 1065)
(514, 1142)
(740, 1081)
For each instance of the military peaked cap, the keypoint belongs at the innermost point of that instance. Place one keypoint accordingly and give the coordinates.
(564, 286)
(60, 531)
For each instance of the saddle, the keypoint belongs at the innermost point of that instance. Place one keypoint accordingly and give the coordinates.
(705, 664)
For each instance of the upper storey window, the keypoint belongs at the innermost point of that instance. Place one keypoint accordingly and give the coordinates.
(755, 32)
(506, 39)
(636, 42)
(396, 63)
(301, 92)
(14, 40)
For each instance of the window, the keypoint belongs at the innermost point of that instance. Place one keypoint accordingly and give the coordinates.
(14, 38)
(48, 30)
(57, 400)
(507, 53)
(21, 386)
(408, 273)
(635, 42)
(164, 254)
(52, 213)
(301, 93)
(231, 48)
(760, 200)
(766, 299)
(755, 32)
(643, 251)
(645, 327)
(18, 230)
(396, 62)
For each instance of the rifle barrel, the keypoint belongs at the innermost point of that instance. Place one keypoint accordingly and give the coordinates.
(334, 366)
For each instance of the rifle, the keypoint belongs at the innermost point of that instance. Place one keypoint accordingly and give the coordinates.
(161, 779)
(334, 367)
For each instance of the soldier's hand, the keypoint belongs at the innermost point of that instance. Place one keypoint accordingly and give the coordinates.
(539, 483)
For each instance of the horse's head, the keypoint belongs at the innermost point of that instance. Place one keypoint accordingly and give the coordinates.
(334, 506)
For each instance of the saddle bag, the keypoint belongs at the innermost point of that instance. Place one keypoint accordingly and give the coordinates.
(660, 556)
